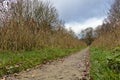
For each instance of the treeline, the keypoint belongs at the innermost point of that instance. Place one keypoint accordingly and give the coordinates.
(108, 34)
(28, 25)
(88, 35)
(105, 57)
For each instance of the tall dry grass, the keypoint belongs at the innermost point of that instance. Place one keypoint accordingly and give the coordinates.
(109, 32)
(108, 37)
(34, 26)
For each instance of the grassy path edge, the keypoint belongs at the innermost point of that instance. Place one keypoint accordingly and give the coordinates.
(99, 69)
(15, 62)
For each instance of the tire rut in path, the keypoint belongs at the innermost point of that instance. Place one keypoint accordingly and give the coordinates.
(73, 67)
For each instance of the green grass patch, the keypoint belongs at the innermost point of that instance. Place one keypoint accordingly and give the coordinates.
(13, 62)
(99, 65)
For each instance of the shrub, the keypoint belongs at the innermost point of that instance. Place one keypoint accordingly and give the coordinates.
(114, 60)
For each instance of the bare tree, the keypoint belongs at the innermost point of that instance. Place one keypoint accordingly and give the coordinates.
(110, 30)
(88, 35)
(114, 12)
(34, 24)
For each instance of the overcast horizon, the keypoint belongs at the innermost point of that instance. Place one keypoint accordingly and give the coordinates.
(80, 14)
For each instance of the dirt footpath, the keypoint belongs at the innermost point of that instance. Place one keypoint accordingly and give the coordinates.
(73, 67)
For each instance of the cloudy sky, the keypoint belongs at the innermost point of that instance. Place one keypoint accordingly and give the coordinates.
(80, 14)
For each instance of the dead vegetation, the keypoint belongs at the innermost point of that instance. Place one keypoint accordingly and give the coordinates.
(34, 24)
(108, 33)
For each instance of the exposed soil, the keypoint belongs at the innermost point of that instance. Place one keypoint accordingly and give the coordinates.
(73, 67)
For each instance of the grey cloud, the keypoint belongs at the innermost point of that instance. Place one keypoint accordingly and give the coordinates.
(80, 10)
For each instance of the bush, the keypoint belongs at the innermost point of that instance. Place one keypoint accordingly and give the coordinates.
(99, 69)
(114, 60)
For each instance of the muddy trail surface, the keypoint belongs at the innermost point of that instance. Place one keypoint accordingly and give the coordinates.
(73, 67)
